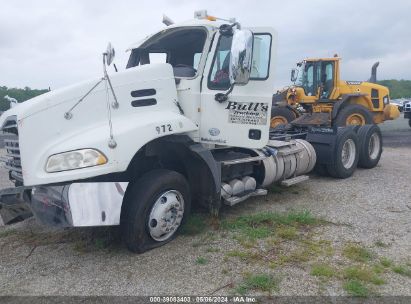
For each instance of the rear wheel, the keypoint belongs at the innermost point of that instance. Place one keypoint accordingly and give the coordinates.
(370, 146)
(155, 206)
(346, 154)
(281, 116)
(353, 114)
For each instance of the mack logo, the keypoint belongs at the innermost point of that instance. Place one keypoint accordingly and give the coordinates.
(247, 106)
(214, 131)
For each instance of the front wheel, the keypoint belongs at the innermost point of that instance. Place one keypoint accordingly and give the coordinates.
(155, 206)
(353, 114)
(281, 116)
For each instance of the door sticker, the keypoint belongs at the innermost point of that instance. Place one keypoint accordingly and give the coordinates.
(247, 113)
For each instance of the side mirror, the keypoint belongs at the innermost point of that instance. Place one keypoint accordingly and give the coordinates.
(294, 75)
(109, 54)
(241, 57)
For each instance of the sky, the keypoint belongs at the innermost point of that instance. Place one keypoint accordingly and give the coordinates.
(54, 43)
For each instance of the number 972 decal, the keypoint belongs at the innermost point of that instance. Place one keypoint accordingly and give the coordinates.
(164, 129)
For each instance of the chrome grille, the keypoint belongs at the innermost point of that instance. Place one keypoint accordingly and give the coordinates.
(11, 140)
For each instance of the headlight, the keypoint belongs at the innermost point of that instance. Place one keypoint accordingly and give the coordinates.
(75, 160)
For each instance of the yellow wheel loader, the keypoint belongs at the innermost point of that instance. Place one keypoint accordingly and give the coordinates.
(319, 97)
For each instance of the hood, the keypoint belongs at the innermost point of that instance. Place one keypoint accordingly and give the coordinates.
(71, 94)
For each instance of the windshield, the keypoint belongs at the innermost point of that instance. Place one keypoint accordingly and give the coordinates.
(180, 47)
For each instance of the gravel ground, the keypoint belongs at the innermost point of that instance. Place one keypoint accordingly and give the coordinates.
(373, 207)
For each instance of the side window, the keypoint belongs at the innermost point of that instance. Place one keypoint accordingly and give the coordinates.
(218, 78)
(329, 71)
(261, 56)
(158, 57)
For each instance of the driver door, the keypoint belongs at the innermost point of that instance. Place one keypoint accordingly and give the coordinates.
(244, 119)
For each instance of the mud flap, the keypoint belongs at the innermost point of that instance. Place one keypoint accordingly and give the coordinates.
(324, 141)
(14, 204)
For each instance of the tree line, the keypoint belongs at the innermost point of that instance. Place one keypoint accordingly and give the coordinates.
(398, 88)
(19, 94)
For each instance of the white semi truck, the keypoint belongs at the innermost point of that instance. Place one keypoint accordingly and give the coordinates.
(187, 122)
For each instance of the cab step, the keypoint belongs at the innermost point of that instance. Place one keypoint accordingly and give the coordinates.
(233, 200)
(292, 181)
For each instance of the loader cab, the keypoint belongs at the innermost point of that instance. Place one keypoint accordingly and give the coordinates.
(318, 78)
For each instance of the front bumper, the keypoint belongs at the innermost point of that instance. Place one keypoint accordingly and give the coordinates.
(77, 204)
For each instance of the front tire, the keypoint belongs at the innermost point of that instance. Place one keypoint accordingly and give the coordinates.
(155, 207)
(346, 154)
(353, 114)
(281, 116)
(370, 146)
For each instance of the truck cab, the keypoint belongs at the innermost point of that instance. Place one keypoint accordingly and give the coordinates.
(199, 54)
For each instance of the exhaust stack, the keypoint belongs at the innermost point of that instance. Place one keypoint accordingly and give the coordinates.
(373, 77)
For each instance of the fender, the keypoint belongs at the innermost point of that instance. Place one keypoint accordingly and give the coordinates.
(343, 102)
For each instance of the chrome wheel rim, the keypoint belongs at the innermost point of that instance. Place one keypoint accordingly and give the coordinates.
(374, 146)
(166, 215)
(348, 154)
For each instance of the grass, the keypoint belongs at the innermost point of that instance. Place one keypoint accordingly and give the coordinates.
(259, 282)
(212, 250)
(385, 262)
(264, 224)
(364, 274)
(402, 270)
(356, 288)
(201, 261)
(7, 232)
(357, 253)
(287, 233)
(322, 270)
(307, 250)
(194, 225)
(243, 255)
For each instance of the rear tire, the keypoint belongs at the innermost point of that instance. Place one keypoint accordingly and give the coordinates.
(154, 208)
(353, 114)
(370, 146)
(346, 154)
(281, 115)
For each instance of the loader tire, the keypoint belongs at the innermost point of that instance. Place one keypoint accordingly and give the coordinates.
(154, 209)
(370, 146)
(346, 154)
(281, 116)
(353, 114)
